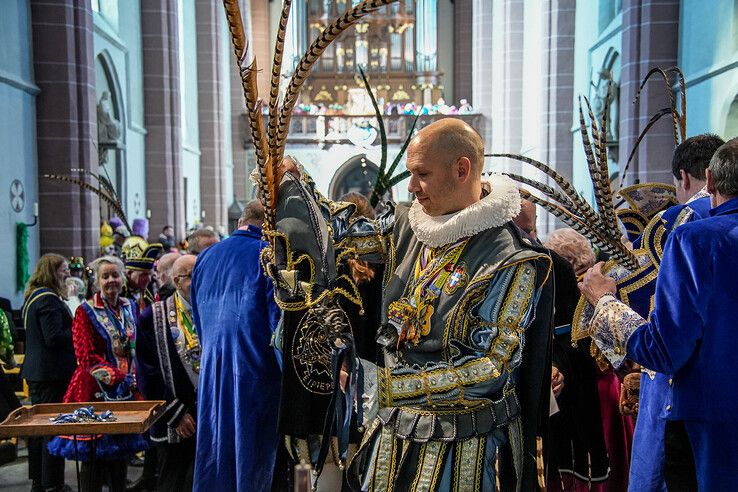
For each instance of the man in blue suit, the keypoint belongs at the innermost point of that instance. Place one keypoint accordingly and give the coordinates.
(650, 471)
(239, 387)
(691, 331)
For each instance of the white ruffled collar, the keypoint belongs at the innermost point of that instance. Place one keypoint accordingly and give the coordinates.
(501, 205)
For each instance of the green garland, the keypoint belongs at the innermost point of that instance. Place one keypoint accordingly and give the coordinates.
(6, 341)
(21, 256)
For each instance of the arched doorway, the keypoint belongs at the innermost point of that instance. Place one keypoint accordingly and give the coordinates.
(110, 131)
(357, 175)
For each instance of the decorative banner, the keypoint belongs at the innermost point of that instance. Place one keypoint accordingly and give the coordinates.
(17, 196)
(21, 256)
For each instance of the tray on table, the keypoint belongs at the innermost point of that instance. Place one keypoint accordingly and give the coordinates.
(132, 417)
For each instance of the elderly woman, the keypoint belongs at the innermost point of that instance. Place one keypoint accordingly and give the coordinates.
(618, 429)
(49, 361)
(104, 331)
(572, 246)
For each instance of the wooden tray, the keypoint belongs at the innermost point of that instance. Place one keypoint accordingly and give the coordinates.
(133, 417)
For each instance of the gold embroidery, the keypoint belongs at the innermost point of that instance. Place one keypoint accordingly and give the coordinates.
(429, 466)
(503, 346)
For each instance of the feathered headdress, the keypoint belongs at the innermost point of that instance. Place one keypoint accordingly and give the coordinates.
(599, 226)
(633, 271)
(104, 190)
(270, 139)
(678, 115)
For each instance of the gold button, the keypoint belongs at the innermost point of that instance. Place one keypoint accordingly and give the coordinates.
(668, 408)
(671, 381)
(618, 350)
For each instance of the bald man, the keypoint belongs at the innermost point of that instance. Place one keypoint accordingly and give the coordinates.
(168, 364)
(526, 219)
(466, 357)
(163, 271)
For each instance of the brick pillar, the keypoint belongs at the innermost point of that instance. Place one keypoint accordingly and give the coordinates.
(650, 39)
(163, 116)
(463, 10)
(210, 86)
(558, 92)
(66, 124)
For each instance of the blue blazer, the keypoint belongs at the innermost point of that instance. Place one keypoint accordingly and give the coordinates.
(692, 331)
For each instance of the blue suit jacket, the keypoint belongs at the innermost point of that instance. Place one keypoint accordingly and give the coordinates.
(692, 329)
(647, 458)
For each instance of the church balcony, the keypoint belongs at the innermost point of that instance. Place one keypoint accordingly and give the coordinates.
(326, 129)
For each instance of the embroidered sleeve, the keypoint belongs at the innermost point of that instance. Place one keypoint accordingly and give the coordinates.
(87, 355)
(678, 320)
(611, 327)
(482, 368)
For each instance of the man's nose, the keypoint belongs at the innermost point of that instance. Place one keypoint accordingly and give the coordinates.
(412, 185)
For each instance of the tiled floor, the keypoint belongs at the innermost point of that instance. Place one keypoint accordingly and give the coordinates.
(14, 476)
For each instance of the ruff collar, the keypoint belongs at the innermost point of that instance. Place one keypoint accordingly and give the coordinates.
(500, 205)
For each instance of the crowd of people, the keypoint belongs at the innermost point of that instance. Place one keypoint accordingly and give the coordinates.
(390, 108)
(461, 320)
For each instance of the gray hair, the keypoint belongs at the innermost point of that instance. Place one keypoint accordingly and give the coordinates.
(78, 283)
(107, 260)
(253, 212)
(724, 168)
(198, 235)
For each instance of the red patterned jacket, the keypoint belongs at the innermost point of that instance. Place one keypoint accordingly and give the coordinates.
(102, 360)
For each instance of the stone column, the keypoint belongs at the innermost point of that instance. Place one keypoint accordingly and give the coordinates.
(650, 39)
(66, 124)
(558, 91)
(512, 74)
(256, 23)
(463, 52)
(482, 67)
(163, 115)
(210, 86)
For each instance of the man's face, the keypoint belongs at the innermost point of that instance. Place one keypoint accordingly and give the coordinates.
(432, 180)
(139, 279)
(169, 232)
(183, 280)
(161, 275)
(526, 219)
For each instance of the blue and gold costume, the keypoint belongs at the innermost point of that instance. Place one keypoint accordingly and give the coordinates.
(467, 313)
(689, 335)
(646, 468)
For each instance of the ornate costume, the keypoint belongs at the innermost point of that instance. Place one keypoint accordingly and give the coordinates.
(104, 343)
(687, 339)
(168, 357)
(646, 470)
(461, 297)
(467, 312)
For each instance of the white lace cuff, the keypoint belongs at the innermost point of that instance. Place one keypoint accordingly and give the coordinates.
(611, 326)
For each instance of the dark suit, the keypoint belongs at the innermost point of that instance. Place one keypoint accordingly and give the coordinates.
(48, 368)
(155, 350)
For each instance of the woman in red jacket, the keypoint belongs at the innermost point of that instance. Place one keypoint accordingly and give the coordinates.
(104, 334)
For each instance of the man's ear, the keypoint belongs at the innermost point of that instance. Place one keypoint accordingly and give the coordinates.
(710, 181)
(685, 182)
(463, 168)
